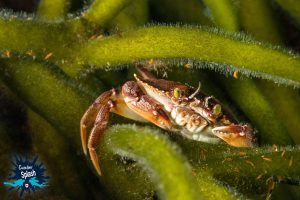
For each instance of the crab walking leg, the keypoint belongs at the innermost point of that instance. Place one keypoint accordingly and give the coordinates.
(97, 132)
(89, 116)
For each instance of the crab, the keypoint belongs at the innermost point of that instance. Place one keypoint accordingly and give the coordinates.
(171, 105)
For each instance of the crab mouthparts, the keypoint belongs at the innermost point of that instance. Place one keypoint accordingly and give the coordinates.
(235, 135)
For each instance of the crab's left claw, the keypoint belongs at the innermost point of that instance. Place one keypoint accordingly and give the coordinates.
(236, 135)
(144, 105)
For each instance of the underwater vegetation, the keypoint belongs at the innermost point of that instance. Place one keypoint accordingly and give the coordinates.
(60, 55)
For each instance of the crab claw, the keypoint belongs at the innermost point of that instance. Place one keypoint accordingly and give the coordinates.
(150, 110)
(236, 135)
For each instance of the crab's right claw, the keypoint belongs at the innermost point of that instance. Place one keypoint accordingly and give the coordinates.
(236, 135)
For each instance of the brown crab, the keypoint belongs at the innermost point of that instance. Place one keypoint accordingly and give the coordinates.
(168, 104)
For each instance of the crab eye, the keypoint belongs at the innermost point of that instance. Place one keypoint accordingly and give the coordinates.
(177, 93)
(217, 109)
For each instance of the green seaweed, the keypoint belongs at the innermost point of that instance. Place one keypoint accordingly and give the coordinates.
(131, 141)
(292, 7)
(267, 30)
(55, 86)
(55, 63)
(257, 19)
(161, 42)
(271, 128)
(223, 13)
(177, 11)
(53, 10)
(134, 15)
(100, 12)
(240, 91)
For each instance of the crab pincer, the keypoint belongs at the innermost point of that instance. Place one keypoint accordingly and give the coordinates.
(236, 135)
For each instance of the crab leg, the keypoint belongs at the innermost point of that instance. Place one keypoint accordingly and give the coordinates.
(131, 103)
(98, 112)
(91, 113)
(96, 133)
